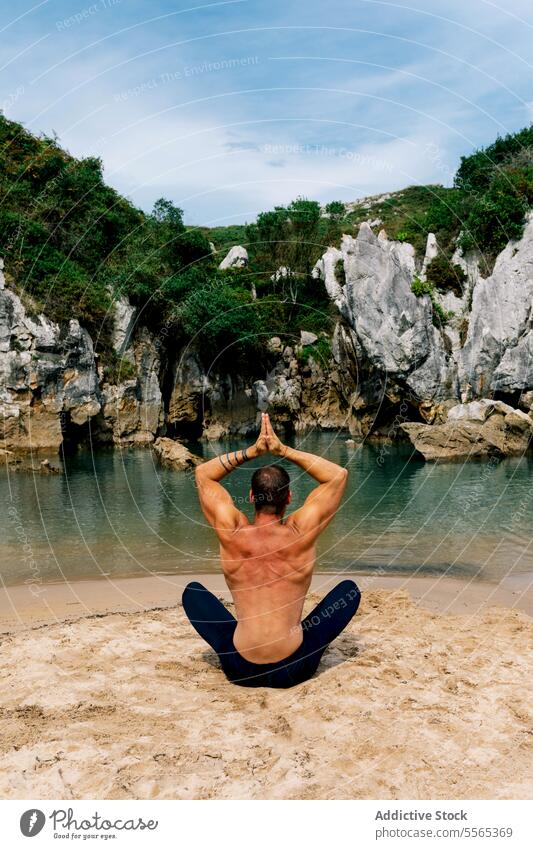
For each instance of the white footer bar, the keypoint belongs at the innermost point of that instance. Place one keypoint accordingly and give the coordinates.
(268, 824)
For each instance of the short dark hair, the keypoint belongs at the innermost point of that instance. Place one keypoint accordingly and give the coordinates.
(270, 489)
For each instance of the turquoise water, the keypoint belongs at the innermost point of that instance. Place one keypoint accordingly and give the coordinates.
(119, 513)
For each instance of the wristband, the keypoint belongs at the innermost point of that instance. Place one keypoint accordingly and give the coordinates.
(223, 465)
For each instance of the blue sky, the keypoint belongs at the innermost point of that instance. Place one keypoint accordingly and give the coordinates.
(229, 108)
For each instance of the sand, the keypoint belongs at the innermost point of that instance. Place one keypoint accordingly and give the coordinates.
(407, 703)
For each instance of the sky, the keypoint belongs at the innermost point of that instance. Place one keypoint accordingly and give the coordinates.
(230, 108)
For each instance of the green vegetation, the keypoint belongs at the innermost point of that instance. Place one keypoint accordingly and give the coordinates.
(340, 273)
(117, 370)
(493, 191)
(424, 287)
(336, 210)
(445, 275)
(401, 213)
(320, 352)
(71, 244)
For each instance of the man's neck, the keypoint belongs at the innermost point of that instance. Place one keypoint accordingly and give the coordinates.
(262, 519)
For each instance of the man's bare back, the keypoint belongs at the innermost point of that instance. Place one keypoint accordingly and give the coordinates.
(268, 563)
(268, 567)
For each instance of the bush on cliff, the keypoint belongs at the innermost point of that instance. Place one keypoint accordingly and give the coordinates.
(68, 238)
(444, 275)
(221, 322)
(496, 184)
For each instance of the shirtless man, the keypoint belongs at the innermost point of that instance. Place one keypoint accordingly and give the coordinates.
(268, 564)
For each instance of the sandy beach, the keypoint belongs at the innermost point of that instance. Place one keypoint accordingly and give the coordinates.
(407, 703)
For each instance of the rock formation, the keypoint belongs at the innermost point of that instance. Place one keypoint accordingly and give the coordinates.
(497, 352)
(172, 453)
(479, 429)
(237, 257)
(387, 359)
(132, 411)
(48, 378)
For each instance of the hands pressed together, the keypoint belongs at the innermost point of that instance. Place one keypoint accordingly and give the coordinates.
(268, 440)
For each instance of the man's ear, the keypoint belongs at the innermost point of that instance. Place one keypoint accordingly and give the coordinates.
(251, 496)
(289, 499)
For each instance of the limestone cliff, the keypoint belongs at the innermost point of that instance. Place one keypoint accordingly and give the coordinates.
(52, 389)
(386, 360)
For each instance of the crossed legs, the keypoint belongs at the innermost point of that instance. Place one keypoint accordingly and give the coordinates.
(215, 624)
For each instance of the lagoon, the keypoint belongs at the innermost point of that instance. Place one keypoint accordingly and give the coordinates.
(117, 512)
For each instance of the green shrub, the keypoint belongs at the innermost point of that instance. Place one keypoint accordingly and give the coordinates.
(340, 273)
(118, 370)
(402, 236)
(421, 287)
(320, 351)
(445, 276)
(440, 316)
(222, 323)
(476, 172)
(499, 214)
(336, 210)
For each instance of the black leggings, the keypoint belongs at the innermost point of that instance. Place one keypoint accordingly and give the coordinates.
(215, 624)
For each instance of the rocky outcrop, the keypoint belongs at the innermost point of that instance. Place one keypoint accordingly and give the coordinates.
(479, 429)
(387, 359)
(398, 349)
(53, 392)
(132, 411)
(210, 404)
(237, 257)
(124, 324)
(432, 250)
(172, 453)
(497, 352)
(48, 378)
(394, 334)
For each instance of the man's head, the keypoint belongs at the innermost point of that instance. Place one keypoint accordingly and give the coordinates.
(270, 491)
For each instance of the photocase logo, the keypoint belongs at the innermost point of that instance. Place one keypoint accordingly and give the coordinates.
(32, 822)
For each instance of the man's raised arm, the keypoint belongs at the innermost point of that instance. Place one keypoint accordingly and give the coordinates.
(216, 502)
(321, 504)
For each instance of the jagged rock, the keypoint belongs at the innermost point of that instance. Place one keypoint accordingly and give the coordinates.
(478, 411)
(393, 327)
(515, 369)
(2, 278)
(307, 338)
(526, 401)
(285, 394)
(187, 401)
(124, 323)
(216, 404)
(472, 431)
(500, 322)
(517, 420)
(174, 454)
(48, 377)
(326, 270)
(132, 411)
(432, 250)
(260, 395)
(470, 264)
(237, 257)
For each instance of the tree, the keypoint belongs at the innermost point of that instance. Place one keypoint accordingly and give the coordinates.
(336, 210)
